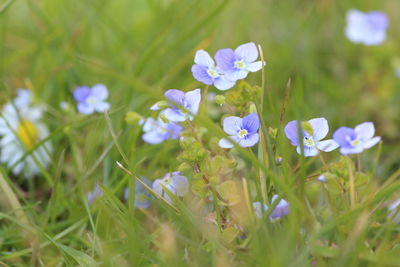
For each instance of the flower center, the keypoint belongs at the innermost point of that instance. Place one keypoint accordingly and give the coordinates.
(240, 64)
(353, 142)
(27, 133)
(91, 100)
(166, 181)
(243, 133)
(308, 141)
(213, 73)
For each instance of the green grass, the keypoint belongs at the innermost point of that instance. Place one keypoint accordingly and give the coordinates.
(141, 48)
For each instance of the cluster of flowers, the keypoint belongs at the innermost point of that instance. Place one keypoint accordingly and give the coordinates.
(179, 107)
(307, 136)
(24, 147)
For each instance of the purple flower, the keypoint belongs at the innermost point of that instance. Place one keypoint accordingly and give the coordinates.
(142, 196)
(237, 64)
(353, 141)
(158, 131)
(205, 71)
(242, 131)
(92, 100)
(176, 183)
(313, 131)
(366, 28)
(281, 210)
(93, 195)
(183, 106)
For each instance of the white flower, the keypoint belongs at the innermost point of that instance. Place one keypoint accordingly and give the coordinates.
(20, 131)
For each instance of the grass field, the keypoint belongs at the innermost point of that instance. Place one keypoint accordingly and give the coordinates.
(141, 48)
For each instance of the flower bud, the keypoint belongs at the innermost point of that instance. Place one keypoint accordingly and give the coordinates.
(132, 117)
(220, 99)
(160, 105)
(163, 118)
(253, 108)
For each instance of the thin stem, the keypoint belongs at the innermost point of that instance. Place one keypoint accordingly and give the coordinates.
(352, 185)
(204, 97)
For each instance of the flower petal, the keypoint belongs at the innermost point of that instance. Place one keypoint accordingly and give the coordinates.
(180, 185)
(85, 108)
(23, 98)
(81, 93)
(193, 99)
(308, 151)
(249, 141)
(291, 131)
(225, 143)
(174, 115)
(320, 127)
(225, 59)
(327, 145)
(365, 130)
(236, 75)
(152, 137)
(100, 91)
(175, 96)
(251, 123)
(371, 142)
(351, 150)
(253, 67)
(157, 187)
(202, 58)
(342, 134)
(221, 83)
(102, 106)
(232, 125)
(247, 51)
(174, 130)
(200, 73)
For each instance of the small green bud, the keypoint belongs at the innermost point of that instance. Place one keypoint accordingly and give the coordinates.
(162, 104)
(307, 127)
(132, 117)
(220, 99)
(163, 118)
(253, 108)
(273, 132)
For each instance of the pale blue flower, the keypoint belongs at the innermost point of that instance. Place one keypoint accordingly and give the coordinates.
(142, 195)
(237, 64)
(281, 210)
(243, 131)
(354, 141)
(93, 195)
(183, 106)
(311, 136)
(205, 71)
(175, 182)
(366, 28)
(90, 100)
(157, 131)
